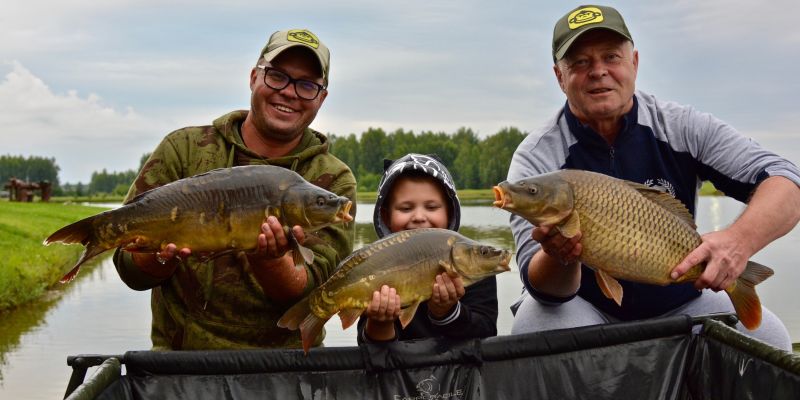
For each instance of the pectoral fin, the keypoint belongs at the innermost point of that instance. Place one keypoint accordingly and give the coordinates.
(301, 255)
(271, 210)
(407, 314)
(571, 226)
(610, 286)
(451, 271)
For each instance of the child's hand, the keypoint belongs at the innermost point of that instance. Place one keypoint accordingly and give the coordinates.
(385, 305)
(381, 313)
(446, 293)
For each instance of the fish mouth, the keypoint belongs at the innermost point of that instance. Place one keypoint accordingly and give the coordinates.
(500, 198)
(344, 213)
(505, 263)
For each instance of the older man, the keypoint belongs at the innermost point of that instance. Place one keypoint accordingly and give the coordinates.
(232, 301)
(608, 126)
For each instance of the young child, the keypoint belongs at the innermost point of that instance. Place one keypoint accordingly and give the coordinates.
(416, 191)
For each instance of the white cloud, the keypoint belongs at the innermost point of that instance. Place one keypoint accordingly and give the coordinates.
(82, 133)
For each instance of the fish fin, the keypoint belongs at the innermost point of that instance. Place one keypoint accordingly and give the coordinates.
(407, 314)
(300, 316)
(451, 271)
(665, 200)
(610, 286)
(571, 226)
(292, 318)
(92, 249)
(78, 232)
(743, 294)
(301, 255)
(350, 316)
(272, 210)
(310, 328)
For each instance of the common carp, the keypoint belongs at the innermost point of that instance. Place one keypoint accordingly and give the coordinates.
(408, 261)
(218, 211)
(630, 231)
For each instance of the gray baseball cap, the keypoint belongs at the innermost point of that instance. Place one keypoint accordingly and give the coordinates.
(282, 40)
(581, 20)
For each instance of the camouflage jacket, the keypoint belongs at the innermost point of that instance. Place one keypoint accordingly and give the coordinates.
(219, 304)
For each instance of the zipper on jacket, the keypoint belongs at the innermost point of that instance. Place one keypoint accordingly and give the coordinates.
(611, 157)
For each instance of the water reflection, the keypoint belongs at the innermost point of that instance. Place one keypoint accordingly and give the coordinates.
(19, 322)
(97, 313)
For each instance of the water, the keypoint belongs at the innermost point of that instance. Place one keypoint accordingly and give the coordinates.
(97, 313)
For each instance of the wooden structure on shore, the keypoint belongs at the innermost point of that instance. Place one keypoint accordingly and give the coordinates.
(22, 191)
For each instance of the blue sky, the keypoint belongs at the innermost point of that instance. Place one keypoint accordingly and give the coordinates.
(97, 84)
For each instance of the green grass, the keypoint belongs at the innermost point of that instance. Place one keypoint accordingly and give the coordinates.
(27, 267)
(101, 198)
(467, 196)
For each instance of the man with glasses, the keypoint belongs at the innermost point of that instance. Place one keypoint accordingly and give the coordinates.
(608, 126)
(234, 301)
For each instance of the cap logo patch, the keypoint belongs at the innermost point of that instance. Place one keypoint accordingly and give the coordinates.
(584, 16)
(303, 36)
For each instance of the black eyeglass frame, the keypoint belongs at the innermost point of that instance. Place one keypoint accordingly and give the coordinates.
(290, 81)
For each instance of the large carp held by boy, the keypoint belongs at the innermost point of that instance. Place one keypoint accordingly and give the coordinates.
(407, 261)
(218, 211)
(630, 231)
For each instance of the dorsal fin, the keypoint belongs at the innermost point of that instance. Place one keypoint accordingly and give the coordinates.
(665, 200)
(359, 255)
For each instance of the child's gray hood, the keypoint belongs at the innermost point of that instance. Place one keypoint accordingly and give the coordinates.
(427, 164)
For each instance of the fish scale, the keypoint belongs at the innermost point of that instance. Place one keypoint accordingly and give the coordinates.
(629, 231)
(217, 211)
(659, 238)
(407, 261)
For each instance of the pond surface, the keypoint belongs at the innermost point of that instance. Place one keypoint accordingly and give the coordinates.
(98, 314)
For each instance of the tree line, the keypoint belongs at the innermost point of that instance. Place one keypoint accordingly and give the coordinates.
(474, 162)
(36, 169)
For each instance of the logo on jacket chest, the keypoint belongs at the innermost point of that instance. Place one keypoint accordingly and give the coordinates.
(662, 185)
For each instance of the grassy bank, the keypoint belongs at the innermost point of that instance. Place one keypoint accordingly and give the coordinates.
(27, 267)
(467, 196)
(102, 198)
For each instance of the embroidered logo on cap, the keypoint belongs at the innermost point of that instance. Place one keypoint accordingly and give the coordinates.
(584, 16)
(303, 36)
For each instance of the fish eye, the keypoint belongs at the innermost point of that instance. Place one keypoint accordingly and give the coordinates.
(533, 190)
(484, 251)
(320, 201)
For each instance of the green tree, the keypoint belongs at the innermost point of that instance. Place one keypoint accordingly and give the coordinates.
(373, 148)
(31, 169)
(495, 155)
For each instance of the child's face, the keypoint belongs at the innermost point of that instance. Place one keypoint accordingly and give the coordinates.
(416, 204)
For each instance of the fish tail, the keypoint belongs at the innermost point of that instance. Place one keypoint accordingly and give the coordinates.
(78, 232)
(300, 316)
(310, 329)
(292, 318)
(744, 297)
(92, 249)
(82, 232)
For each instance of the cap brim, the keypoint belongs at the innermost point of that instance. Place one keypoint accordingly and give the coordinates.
(270, 55)
(562, 51)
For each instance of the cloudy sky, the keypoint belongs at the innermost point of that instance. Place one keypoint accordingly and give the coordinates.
(96, 84)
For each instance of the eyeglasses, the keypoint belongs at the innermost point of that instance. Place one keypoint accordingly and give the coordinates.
(278, 80)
